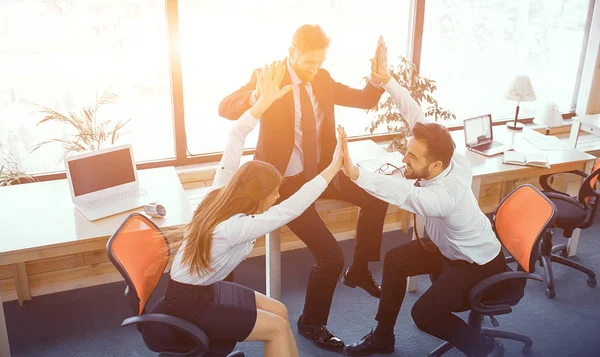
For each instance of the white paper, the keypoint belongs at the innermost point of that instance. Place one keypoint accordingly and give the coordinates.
(545, 142)
(370, 156)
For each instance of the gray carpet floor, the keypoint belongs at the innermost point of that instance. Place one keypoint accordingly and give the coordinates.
(86, 322)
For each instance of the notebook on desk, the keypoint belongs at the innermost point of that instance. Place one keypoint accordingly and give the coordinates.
(105, 182)
(525, 159)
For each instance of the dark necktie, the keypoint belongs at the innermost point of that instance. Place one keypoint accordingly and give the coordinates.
(309, 134)
(425, 241)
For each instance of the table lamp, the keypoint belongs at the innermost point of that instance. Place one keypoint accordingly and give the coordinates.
(549, 116)
(520, 90)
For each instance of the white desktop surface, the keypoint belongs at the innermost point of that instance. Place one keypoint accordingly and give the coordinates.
(42, 214)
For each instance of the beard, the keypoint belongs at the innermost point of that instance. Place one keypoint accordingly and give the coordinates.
(413, 174)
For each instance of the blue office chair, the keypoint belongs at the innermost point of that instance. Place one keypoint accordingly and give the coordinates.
(572, 213)
(520, 221)
(140, 252)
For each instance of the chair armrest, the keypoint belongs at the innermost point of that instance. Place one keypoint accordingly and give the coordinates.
(478, 291)
(187, 327)
(568, 199)
(546, 186)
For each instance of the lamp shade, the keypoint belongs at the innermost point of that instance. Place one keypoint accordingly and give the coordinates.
(521, 90)
(548, 115)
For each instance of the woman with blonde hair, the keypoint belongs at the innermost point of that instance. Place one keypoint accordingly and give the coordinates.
(238, 210)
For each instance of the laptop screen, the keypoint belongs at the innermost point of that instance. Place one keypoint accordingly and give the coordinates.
(478, 130)
(102, 171)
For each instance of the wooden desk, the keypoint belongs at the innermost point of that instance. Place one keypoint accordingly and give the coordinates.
(38, 221)
(588, 123)
(488, 170)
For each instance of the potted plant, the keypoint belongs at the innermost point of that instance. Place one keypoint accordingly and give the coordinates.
(421, 90)
(90, 133)
(10, 171)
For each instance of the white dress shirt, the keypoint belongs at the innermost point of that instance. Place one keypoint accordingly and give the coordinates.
(453, 219)
(234, 238)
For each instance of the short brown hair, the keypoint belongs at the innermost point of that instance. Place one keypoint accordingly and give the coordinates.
(440, 145)
(310, 38)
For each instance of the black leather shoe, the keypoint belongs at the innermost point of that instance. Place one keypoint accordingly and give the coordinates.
(371, 343)
(498, 350)
(320, 336)
(365, 281)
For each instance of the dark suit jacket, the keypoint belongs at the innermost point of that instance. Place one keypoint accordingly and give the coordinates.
(277, 125)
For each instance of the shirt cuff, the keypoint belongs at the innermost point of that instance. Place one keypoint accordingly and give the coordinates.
(253, 99)
(389, 86)
(363, 177)
(376, 85)
(320, 182)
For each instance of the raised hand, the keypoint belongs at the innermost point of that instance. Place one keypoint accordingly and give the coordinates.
(339, 153)
(348, 166)
(269, 80)
(379, 65)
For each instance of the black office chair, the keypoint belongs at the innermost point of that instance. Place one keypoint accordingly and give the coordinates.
(140, 252)
(520, 222)
(572, 213)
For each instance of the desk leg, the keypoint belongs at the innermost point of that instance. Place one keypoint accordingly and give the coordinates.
(19, 271)
(574, 240)
(4, 348)
(574, 135)
(273, 268)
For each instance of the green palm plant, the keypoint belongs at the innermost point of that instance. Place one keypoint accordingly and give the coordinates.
(421, 90)
(91, 133)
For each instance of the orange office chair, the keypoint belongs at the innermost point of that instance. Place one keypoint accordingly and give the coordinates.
(572, 213)
(140, 252)
(520, 222)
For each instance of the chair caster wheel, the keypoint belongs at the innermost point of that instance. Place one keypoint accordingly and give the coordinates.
(527, 350)
(551, 294)
(591, 282)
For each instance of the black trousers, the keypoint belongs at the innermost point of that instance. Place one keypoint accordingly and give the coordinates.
(433, 311)
(311, 229)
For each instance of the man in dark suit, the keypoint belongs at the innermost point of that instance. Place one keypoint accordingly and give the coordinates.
(297, 136)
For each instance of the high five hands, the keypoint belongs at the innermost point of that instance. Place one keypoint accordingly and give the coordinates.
(379, 65)
(347, 165)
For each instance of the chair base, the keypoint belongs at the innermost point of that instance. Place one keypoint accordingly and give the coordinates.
(475, 321)
(549, 255)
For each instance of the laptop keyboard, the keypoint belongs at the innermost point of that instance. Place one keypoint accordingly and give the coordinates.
(111, 200)
(493, 144)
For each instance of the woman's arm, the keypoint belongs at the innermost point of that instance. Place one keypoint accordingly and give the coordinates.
(268, 81)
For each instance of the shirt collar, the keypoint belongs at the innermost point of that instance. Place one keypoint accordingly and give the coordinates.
(438, 177)
(293, 76)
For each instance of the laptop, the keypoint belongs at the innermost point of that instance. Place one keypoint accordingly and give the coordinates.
(479, 136)
(105, 182)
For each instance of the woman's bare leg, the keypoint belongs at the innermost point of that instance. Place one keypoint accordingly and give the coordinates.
(273, 330)
(266, 303)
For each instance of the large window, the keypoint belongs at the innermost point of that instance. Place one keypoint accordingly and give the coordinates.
(474, 48)
(65, 54)
(222, 42)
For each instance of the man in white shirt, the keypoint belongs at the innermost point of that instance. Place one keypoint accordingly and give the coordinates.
(465, 249)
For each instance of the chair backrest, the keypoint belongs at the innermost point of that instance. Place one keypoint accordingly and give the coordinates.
(588, 191)
(140, 251)
(520, 221)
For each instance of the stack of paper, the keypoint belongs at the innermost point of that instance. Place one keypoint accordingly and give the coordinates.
(545, 142)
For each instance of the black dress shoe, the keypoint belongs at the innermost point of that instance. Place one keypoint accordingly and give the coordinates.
(371, 343)
(498, 350)
(320, 336)
(365, 281)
